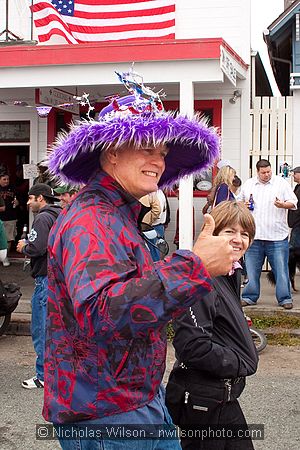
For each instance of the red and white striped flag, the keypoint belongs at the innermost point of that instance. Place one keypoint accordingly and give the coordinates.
(81, 21)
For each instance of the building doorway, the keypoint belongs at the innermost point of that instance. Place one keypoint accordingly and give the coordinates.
(12, 158)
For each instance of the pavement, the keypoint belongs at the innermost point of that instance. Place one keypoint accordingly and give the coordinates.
(20, 321)
(271, 398)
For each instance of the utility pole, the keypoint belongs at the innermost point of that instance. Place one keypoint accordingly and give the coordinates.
(9, 35)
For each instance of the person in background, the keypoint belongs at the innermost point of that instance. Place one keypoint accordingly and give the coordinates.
(2, 205)
(9, 214)
(149, 213)
(294, 223)
(151, 210)
(3, 239)
(271, 197)
(222, 187)
(236, 185)
(214, 348)
(43, 175)
(66, 193)
(109, 304)
(294, 215)
(3, 243)
(235, 188)
(223, 184)
(160, 224)
(22, 188)
(41, 202)
(4, 168)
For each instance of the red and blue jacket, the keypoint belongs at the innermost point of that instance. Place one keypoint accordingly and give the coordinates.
(108, 306)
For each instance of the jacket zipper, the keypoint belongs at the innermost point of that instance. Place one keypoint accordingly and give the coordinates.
(186, 397)
(228, 387)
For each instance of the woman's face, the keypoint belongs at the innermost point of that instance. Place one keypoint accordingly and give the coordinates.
(239, 239)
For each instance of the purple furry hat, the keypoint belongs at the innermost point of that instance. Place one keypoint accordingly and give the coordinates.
(193, 146)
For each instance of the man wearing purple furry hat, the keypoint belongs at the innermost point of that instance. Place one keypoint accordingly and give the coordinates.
(109, 304)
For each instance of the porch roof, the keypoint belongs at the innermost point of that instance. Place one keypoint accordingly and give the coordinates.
(200, 60)
(99, 52)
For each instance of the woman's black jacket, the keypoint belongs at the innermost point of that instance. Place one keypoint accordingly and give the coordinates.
(213, 336)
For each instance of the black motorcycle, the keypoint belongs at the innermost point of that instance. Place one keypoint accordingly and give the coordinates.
(10, 295)
(4, 323)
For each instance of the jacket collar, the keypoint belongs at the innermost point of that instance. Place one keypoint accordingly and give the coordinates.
(114, 192)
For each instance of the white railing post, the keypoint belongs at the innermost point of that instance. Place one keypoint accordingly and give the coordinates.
(186, 185)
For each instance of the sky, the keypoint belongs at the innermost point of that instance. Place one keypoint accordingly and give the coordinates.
(263, 13)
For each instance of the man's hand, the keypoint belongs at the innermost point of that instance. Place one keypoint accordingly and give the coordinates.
(278, 203)
(15, 202)
(20, 246)
(282, 204)
(215, 251)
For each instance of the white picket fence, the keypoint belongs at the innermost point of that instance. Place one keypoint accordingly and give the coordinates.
(271, 136)
(271, 139)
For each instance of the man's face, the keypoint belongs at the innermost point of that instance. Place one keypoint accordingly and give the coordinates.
(138, 170)
(296, 177)
(34, 203)
(65, 199)
(4, 181)
(264, 174)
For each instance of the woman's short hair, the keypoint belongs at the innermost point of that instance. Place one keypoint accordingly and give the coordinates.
(225, 175)
(230, 213)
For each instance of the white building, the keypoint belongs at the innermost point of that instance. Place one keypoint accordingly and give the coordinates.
(201, 69)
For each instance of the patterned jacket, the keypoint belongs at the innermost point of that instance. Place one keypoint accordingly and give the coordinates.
(108, 306)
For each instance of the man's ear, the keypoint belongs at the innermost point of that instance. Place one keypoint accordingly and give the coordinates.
(111, 155)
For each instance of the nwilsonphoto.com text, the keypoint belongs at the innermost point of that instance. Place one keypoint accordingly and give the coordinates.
(89, 432)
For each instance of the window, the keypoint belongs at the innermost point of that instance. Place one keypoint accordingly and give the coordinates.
(15, 131)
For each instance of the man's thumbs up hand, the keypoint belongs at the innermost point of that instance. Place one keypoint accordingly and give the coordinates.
(208, 226)
(215, 251)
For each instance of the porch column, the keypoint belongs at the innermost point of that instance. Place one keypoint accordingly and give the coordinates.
(296, 128)
(186, 97)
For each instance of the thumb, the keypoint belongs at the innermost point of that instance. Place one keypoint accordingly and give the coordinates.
(208, 226)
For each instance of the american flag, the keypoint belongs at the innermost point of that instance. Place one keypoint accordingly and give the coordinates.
(80, 21)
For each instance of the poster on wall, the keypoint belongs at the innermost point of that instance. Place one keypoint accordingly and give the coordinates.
(30, 171)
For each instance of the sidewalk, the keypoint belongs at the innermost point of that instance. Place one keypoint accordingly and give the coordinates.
(20, 323)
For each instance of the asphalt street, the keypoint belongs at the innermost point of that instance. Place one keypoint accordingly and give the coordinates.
(272, 397)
